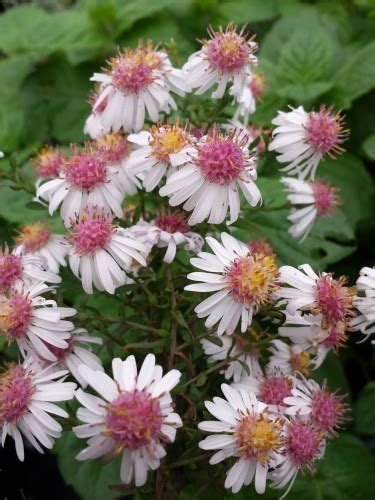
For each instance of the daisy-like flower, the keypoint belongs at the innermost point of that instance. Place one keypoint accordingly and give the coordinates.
(94, 125)
(138, 80)
(324, 409)
(252, 93)
(27, 397)
(71, 357)
(133, 415)
(116, 151)
(303, 139)
(226, 58)
(313, 200)
(17, 267)
(161, 150)
(234, 346)
(29, 319)
(242, 283)
(86, 179)
(208, 183)
(100, 251)
(289, 359)
(37, 239)
(48, 162)
(168, 230)
(365, 302)
(247, 430)
(304, 445)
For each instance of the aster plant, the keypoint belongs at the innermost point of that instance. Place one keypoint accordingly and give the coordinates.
(192, 342)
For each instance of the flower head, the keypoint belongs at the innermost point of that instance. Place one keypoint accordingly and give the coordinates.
(48, 162)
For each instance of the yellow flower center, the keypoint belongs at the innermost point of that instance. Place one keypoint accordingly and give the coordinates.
(301, 363)
(167, 140)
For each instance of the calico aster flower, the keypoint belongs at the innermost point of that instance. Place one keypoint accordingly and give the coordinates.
(289, 359)
(86, 179)
(208, 184)
(242, 283)
(313, 200)
(168, 230)
(234, 346)
(20, 268)
(101, 252)
(226, 58)
(303, 139)
(138, 80)
(160, 151)
(247, 430)
(48, 162)
(93, 125)
(27, 398)
(31, 320)
(251, 95)
(37, 239)
(365, 301)
(133, 415)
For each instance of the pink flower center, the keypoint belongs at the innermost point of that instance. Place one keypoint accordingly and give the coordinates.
(34, 236)
(303, 443)
(60, 352)
(323, 131)
(15, 317)
(91, 235)
(49, 163)
(336, 337)
(221, 161)
(333, 298)
(257, 86)
(274, 389)
(16, 389)
(115, 147)
(133, 420)
(325, 197)
(261, 246)
(327, 410)
(172, 223)
(228, 52)
(252, 279)
(86, 170)
(10, 271)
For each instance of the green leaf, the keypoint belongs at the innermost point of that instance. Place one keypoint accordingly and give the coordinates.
(240, 11)
(364, 410)
(369, 146)
(133, 10)
(332, 370)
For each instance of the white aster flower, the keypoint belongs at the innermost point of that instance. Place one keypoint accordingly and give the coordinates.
(139, 79)
(27, 397)
(365, 302)
(242, 283)
(19, 268)
(313, 200)
(37, 240)
(29, 319)
(289, 359)
(244, 429)
(160, 151)
(168, 230)
(303, 139)
(234, 346)
(86, 179)
(209, 183)
(133, 415)
(101, 252)
(226, 58)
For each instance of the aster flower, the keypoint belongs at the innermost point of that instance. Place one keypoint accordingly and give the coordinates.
(303, 139)
(226, 58)
(133, 415)
(18, 268)
(86, 179)
(27, 397)
(324, 409)
(234, 346)
(168, 230)
(365, 301)
(37, 240)
(289, 359)
(71, 357)
(208, 183)
(304, 445)
(138, 80)
(314, 200)
(48, 162)
(94, 125)
(242, 283)
(160, 151)
(29, 319)
(100, 251)
(247, 430)
(251, 94)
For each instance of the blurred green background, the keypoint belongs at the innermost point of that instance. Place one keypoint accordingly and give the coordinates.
(311, 52)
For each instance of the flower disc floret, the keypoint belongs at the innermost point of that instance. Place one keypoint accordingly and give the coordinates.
(114, 147)
(274, 389)
(301, 362)
(326, 198)
(92, 233)
(221, 160)
(303, 443)
(328, 412)
(324, 131)
(86, 169)
(172, 223)
(166, 140)
(48, 162)
(333, 298)
(34, 236)
(16, 390)
(10, 270)
(15, 316)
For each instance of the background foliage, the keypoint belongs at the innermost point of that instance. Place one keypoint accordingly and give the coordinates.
(310, 52)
